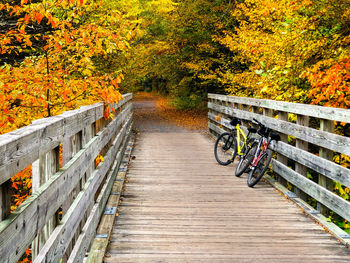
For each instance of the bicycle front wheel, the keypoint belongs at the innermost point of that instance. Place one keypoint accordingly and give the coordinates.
(225, 148)
(259, 170)
(247, 157)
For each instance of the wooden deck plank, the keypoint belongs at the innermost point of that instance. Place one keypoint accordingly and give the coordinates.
(179, 205)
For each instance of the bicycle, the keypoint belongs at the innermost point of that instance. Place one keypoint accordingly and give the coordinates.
(262, 156)
(235, 142)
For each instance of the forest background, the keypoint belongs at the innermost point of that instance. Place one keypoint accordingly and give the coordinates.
(57, 55)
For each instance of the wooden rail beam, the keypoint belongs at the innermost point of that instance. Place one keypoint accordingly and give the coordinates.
(35, 219)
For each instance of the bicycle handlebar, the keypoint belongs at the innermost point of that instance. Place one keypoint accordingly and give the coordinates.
(268, 132)
(257, 122)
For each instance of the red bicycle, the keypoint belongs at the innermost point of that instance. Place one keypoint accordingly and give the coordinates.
(260, 161)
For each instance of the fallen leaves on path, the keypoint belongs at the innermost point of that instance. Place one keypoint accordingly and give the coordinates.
(189, 119)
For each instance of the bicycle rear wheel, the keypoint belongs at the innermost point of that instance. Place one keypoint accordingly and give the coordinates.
(225, 148)
(247, 157)
(259, 170)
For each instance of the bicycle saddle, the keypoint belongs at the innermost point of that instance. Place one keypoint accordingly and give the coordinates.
(234, 121)
(252, 130)
(275, 136)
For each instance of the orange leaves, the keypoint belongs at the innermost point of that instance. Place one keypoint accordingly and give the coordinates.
(28, 251)
(58, 47)
(14, 185)
(27, 42)
(67, 38)
(106, 113)
(6, 41)
(39, 17)
(99, 159)
(21, 186)
(74, 79)
(330, 81)
(118, 79)
(65, 93)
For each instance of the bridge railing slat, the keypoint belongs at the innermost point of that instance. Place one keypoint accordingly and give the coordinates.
(83, 242)
(43, 137)
(328, 113)
(321, 194)
(306, 137)
(20, 148)
(59, 240)
(318, 137)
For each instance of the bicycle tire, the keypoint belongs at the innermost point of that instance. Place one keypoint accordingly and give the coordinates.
(247, 157)
(224, 143)
(259, 170)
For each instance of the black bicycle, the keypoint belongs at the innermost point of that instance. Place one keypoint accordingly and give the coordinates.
(259, 161)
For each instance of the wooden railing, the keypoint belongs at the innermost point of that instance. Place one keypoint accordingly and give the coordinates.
(59, 219)
(311, 148)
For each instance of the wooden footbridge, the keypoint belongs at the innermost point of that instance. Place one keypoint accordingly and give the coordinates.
(160, 196)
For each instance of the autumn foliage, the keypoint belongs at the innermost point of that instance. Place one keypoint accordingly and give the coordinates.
(56, 56)
(287, 50)
(62, 70)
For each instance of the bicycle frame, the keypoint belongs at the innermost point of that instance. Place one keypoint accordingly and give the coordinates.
(260, 152)
(239, 133)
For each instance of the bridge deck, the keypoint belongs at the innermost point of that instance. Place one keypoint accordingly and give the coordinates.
(179, 205)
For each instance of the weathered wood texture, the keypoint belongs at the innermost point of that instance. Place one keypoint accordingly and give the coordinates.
(327, 113)
(99, 245)
(320, 136)
(72, 188)
(179, 205)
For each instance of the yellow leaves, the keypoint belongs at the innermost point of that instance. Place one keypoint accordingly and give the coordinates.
(119, 79)
(99, 159)
(87, 72)
(161, 6)
(285, 40)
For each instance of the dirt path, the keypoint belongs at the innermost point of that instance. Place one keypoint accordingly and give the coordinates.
(153, 114)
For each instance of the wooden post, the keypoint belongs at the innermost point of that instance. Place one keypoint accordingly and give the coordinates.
(213, 101)
(209, 111)
(245, 107)
(268, 112)
(70, 147)
(328, 126)
(231, 104)
(303, 145)
(5, 199)
(237, 106)
(42, 170)
(283, 116)
(87, 135)
(100, 124)
(255, 109)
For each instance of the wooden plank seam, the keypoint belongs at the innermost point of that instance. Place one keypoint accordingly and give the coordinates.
(333, 229)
